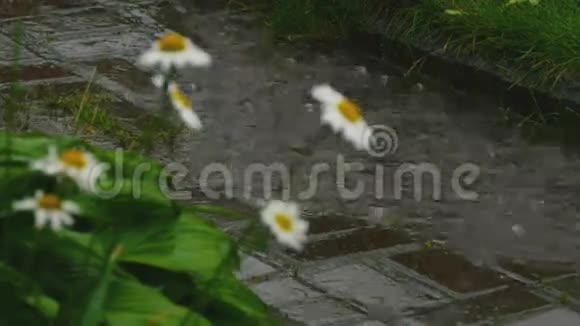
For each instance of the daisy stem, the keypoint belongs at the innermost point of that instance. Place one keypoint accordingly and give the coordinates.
(167, 78)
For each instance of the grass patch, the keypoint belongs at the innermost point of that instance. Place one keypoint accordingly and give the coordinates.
(91, 112)
(532, 45)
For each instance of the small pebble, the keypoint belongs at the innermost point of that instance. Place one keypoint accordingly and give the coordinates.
(518, 230)
(158, 80)
(180, 9)
(384, 80)
(361, 70)
(309, 107)
(420, 87)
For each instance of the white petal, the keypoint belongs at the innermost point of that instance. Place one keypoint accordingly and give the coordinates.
(301, 227)
(49, 164)
(325, 94)
(294, 242)
(190, 118)
(71, 207)
(27, 204)
(55, 220)
(198, 57)
(66, 219)
(149, 58)
(357, 134)
(332, 118)
(41, 216)
(269, 212)
(88, 177)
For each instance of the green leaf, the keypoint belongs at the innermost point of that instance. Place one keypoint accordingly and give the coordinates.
(187, 244)
(33, 145)
(45, 305)
(93, 312)
(191, 245)
(453, 12)
(217, 210)
(232, 302)
(131, 303)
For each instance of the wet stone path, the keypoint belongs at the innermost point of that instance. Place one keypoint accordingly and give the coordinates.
(508, 257)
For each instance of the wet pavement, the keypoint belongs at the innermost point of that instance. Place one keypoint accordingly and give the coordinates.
(508, 257)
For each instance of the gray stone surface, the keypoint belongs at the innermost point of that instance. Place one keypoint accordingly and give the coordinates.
(318, 312)
(559, 317)
(280, 292)
(252, 267)
(365, 285)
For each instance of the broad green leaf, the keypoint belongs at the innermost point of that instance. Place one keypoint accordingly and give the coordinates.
(130, 303)
(188, 244)
(198, 248)
(232, 302)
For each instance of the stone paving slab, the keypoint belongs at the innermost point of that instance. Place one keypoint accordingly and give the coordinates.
(251, 267)
(559, 317)
(319, 312)
(451, 270)
(366, 286)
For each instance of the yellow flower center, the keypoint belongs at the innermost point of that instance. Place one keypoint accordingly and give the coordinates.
(284, 222)
(349, 110)
(49, 201)
(172, 42)
(180, 97)
(74, 157)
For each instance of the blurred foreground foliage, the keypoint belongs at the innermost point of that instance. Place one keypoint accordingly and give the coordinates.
(135, 258)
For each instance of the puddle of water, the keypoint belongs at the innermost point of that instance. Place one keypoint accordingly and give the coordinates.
(488, 307)
(450, 270)
(16, 8)
(36, 72)
(354, 242)
(330, 223)
(537, 271)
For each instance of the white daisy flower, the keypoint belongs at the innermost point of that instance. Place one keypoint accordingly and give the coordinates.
(284, 221)
(174, 50)
(342, 115)
(48, 209)
(79, 165)
(183, 104)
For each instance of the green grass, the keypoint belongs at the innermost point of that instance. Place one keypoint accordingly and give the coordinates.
(530, 45)
(91, 112)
